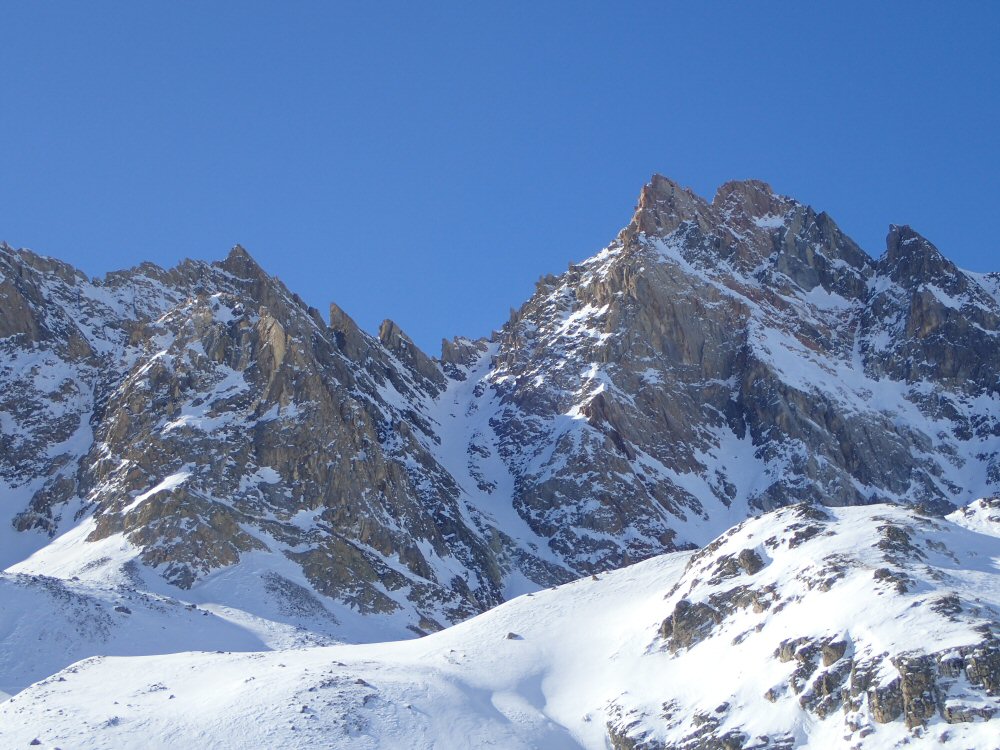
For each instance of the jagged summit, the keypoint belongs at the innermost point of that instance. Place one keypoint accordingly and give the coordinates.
(751, 229)
(240, 263)
(663, 205)
(750, 328)
(752, 198)
(754, 231)
(238, 256)
(399, 344)
(912, 259)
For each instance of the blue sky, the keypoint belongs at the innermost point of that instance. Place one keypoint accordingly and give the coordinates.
(427, 162)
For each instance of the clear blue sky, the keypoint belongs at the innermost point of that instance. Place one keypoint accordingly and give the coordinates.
(428, 161)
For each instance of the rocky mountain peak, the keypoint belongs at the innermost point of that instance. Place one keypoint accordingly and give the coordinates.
(461, 351)
(239, 252)
(399, 344)
(249, 279)
(911, 260)
(749, 231)
(750, 198)
(348, 337)
(663, 206)
(240, 263)
(393, 338)
(932, 316)
(19, 260)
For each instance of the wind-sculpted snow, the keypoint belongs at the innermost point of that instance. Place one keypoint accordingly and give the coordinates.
(869, 627)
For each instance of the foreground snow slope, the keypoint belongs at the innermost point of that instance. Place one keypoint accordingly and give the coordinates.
(468, 686)
(865, 627)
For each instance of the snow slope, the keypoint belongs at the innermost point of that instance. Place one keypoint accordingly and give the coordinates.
(594, 662)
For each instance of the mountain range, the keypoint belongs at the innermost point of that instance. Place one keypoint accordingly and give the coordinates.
(195, 459)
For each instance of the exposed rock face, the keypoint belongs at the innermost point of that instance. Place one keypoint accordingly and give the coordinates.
(205, 414)
(726, 357)
(719, 358)
(935, 315)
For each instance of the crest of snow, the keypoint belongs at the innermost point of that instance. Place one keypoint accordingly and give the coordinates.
(263, 475)
(770, 221)
(197, 413)
(581, 322)
(71, 554)
(989, 282)
(820, 297)
(946, 299)
(983, 516)
(169, 483)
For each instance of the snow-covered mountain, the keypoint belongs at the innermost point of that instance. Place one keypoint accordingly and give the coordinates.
(204, 422)
(196, 451)
(863, 627)
(726, 357)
